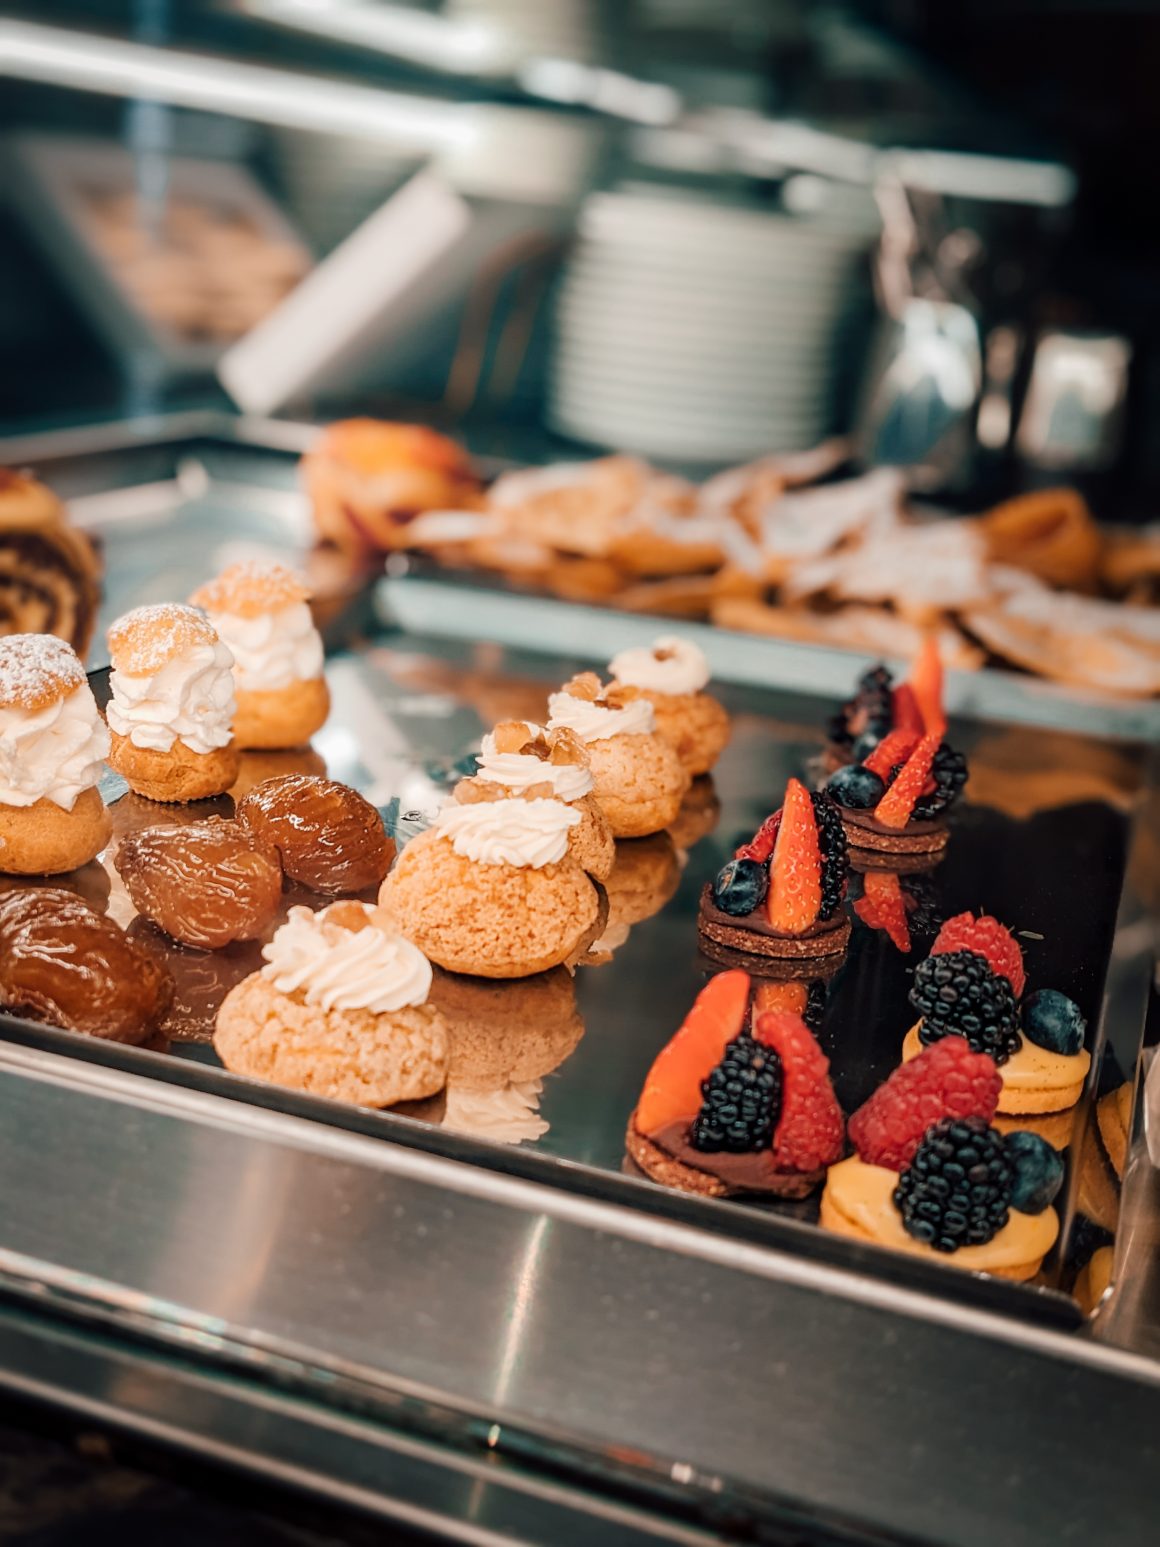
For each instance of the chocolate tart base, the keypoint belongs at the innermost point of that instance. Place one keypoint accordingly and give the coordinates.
(925, 843)
(780, 969)
(862, 860)
(659, 1166)
(751, 943)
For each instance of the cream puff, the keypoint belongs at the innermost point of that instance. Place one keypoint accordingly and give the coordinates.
(52, 749)
(638, 779)
(261, 613)
(971, 985)
(672, 674)
(492, 890)
(933, 1178)
(172, 707)
(519, 758)
(340, 1009)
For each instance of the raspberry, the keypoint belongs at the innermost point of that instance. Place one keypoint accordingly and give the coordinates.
(947, 1080)
(892, 749)
(810, 1133)
(987, 938)
(895, 807)
(882, 906)
(794, 900)
(760, 846)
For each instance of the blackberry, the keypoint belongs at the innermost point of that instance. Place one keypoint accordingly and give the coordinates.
(742, 1099)
(950, 774)
(957, 1189)
(815, 1005)
(923, 906)
(958, 995)
(871, 710)
(832, 843)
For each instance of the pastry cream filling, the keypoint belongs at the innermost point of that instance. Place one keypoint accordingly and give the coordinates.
(863, 1195)
(670, 666)
(1030, 1068)
(54, 753)
(190, 699)
(599, 722)
(341, 969)
(526, 833)
(521, 771)
(272, 650)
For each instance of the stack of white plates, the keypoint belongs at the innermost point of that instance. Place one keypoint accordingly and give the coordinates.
(697, 330)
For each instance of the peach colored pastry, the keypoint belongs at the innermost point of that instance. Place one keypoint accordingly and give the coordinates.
(262, 616)
(50, 576)
(205, 884)
(339, 1010)
(519, 758)
(693, 1131)
(638, 779)
(172, 710)
(780, 897)
(933, 1178)
(971, 985)
(328, 836)
(672, 674)
(367, 479)
(52, 749)
(65, 964)
(491, 889)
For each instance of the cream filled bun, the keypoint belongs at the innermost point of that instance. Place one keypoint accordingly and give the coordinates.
(672, 674)
(172, 707)
(261, 613)
(340, 1010)
(52, 749)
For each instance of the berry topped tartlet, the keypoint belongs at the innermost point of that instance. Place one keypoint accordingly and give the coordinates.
(932, 1177)
(894, 804)
(672, 674)
(780, 897)
(971, 985)
(879, 707)
(739, 1101)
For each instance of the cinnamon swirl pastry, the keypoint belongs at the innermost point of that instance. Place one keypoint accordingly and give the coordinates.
(49, 571)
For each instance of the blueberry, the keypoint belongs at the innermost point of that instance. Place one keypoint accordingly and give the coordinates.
(1038, 1171)
(865, 744)
(855, 787)
(740, 886)
(1052, 1020)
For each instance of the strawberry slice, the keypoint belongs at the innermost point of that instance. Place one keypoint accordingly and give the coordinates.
(760, 846)
(790, 998)
(794, 899)
(672, 1087)
(947, 1080)
(926, 683)
(811, 1132)
(987, 938)
(894, 809)
(894, 748)
(906, 714)
(883, 906)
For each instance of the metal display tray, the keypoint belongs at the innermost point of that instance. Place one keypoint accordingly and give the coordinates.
(407, 711)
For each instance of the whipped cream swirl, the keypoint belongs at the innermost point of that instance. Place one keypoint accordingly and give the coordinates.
(272, 650)
(521, 771)
(337, 968)
(191, 700)
(671, 665)
(527, 833)
(598, 722)
(54, 753)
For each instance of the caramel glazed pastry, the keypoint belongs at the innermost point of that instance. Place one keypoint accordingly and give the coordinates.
(492, 890)
(638, 780)
(50, 577)
(172, 709)
(261, 613)
(524, 760)
(340, 1010)
(52, 749)
(673, 674)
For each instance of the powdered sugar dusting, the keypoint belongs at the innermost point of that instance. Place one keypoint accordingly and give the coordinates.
(36, 670)
(148, 638)
(250, 589)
